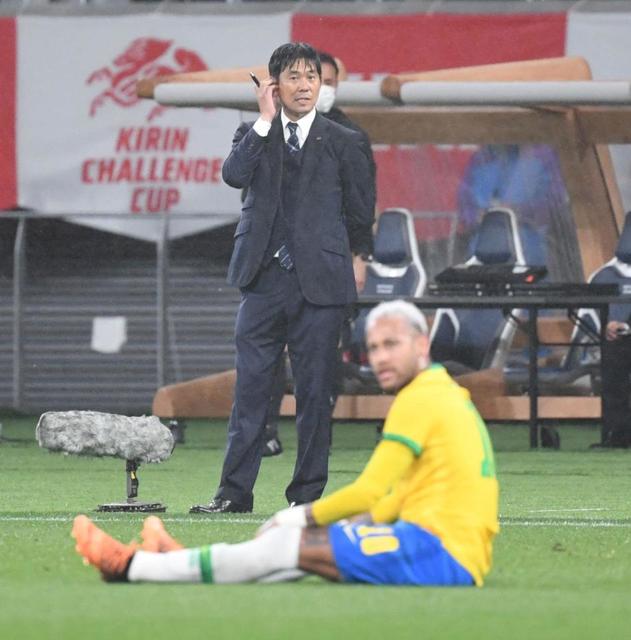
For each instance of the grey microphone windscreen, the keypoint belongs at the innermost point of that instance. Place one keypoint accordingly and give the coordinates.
(92, 433)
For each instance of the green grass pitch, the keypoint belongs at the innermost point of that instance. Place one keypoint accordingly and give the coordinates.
(562, 560)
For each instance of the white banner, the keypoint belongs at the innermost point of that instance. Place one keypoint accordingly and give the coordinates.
(88, 144)
(603, 40)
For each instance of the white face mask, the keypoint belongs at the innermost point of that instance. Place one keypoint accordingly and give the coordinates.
(326, 98)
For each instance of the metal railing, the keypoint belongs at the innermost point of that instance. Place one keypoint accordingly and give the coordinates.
(165, 348)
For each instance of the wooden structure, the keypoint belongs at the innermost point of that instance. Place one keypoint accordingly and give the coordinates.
(579, 133)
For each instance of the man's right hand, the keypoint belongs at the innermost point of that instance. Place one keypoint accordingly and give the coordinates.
(266, 96)
(616, 329)
(359, 271)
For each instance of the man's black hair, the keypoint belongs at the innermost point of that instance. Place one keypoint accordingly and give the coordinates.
(327, 58)
(285, 56)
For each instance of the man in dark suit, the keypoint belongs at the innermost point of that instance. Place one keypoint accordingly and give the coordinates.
(616, 386)
(301, 243)
(325, 105)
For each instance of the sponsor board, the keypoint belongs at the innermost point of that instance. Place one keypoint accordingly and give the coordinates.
(88, 144)
(382, 44)
(85, 144)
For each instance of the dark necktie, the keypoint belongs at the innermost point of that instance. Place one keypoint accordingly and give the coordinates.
(293, 144)
(285, 259)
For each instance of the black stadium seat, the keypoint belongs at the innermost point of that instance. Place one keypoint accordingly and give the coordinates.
(395, 271)
(473, 339)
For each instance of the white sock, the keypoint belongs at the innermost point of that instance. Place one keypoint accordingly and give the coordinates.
(284, 575)
(275, 550)
(176, 566)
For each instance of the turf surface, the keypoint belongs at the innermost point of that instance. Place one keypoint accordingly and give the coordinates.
(562, 560)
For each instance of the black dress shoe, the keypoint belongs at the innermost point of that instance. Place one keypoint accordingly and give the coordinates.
(218, 505)
(177, 428)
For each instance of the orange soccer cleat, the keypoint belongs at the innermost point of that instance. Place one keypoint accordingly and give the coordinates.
(108, 555)
(156, 538)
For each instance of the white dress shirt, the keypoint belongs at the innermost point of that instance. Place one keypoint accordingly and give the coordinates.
(262, 127)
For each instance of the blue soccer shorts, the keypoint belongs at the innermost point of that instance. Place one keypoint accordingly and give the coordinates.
(398, 554)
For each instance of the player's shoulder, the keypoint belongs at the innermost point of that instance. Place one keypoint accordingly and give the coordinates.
(430, 379)
(431, 388)
(409, 399)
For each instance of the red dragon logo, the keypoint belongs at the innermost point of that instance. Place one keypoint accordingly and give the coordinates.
(143, 58)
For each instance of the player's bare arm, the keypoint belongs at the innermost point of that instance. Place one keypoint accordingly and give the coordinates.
(316, 554)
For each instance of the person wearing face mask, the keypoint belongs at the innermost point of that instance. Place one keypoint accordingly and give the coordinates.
(325, 106)
(326, 103)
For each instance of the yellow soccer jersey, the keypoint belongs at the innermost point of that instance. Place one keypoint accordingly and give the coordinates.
(434, 468)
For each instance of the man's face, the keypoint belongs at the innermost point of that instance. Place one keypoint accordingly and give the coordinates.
(298, 89)
(329, 77)
(396, 352)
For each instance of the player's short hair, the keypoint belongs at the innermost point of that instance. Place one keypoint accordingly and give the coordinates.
(398, 309)
(284, 57)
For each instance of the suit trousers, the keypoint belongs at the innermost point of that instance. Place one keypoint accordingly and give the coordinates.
(616, 392)
(274, 313)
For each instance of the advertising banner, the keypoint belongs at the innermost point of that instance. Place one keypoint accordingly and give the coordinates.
(372, 45)
(76, 140)
(87, 144)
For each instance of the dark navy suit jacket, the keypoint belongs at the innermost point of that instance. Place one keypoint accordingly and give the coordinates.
(333, 215)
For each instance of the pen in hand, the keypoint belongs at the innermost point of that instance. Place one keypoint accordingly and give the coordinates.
(255, 79)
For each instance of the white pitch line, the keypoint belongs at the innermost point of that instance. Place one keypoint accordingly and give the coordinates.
(508, 522)
(568, 510)
(164, 519)
(594, 524)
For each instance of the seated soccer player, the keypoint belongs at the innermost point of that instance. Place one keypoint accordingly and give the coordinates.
(423, 511)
